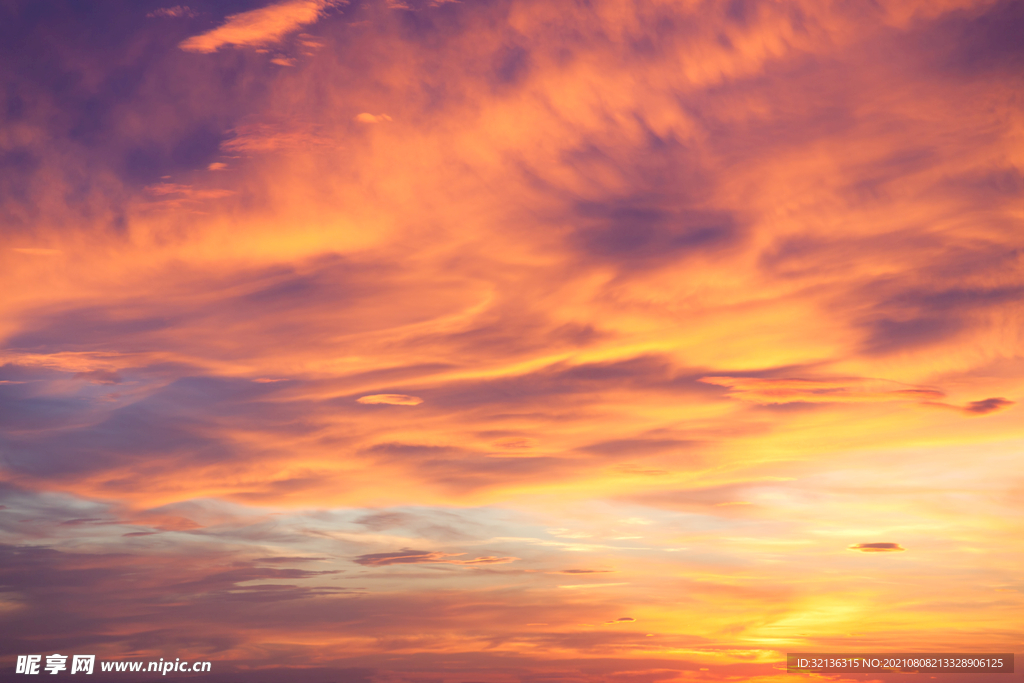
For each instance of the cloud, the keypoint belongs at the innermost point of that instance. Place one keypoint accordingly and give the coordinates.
(844, 390)
(371, 118)
(409, 556)
(630, 234)
(173, 12)
(391, 399)
(260, 26)
(36, 251)
(288, 558)
(986, 406)
(174, 196)
(878, 547)
(271, 137)
(641, 447)
(489, 559)
(100, 376)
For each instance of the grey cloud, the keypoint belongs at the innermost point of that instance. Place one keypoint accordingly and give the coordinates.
(77, 599)
(563, 382)
(461, 471)
(100, 376)
(886, 335)
(986, 406)
(132, 434)
(435, 525)
(285, 559)
(627, 447)
(404, 556)
(1000, 184)
(975, 45)
(878, 547)
(90, 329)
(380, 521)
(912, 318)
(20, 411)
(648, 235)
(873, 177)
(511, 65)
(954, 299)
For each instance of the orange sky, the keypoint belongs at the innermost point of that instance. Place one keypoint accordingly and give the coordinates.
(509, 340)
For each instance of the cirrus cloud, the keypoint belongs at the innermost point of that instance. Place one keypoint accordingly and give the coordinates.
(260, 26)
(846, 390)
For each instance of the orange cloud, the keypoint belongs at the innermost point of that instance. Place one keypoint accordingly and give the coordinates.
(185, 191)
(371, 118)
(846, 390)
(260, 26)
(391, 399)
(36, 251)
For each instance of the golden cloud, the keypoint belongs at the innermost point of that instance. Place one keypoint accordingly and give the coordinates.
(260, 26)
(391, 399)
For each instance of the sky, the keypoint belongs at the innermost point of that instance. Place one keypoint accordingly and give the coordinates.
(500, 341)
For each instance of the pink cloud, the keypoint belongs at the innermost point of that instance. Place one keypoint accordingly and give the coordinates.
(260, 26)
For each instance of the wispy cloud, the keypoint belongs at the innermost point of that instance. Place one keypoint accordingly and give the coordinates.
(986, 406)
(173, 12)
(390, 399)
(852, 390)
(260, 26)
(269, 137)
(366, 117)
(409, 556)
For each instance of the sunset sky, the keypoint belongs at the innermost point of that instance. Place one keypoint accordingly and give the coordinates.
(501, 341)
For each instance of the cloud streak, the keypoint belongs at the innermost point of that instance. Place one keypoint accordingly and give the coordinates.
(257, 27)
(390, 399)
(409, 556)
(878, 547)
